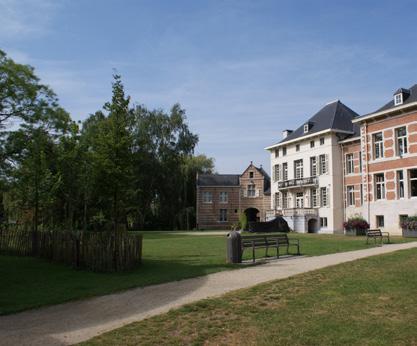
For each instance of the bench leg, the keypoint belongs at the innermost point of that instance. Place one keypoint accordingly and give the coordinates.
(266, 251)
(253, 253)
(277, 252)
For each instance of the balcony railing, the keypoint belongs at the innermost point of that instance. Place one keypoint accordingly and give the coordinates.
(298, 182)
(299, 212)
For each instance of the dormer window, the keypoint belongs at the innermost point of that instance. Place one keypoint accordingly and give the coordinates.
(398, 99)
(400, 96)
(306, 128)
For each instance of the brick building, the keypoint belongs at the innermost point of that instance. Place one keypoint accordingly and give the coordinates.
(222, 197)
(380, 164)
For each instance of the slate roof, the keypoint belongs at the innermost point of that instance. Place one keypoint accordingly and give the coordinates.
(218, 180)
(333, 116)
(408, 98)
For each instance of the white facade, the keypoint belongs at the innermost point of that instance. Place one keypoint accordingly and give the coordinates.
(310, 195)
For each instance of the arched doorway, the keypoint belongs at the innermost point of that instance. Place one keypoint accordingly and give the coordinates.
(312, 226)
(252, 214)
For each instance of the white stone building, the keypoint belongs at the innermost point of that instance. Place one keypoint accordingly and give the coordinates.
(307, 171)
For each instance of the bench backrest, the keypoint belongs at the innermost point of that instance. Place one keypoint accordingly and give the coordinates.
(374, 232)
(264, 240)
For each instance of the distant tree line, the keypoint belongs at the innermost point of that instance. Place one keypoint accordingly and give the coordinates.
(124, 167)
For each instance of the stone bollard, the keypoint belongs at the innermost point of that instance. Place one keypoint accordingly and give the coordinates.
(234, 247)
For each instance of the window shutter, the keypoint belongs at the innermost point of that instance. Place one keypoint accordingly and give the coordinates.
(327, 163)
(327, 197)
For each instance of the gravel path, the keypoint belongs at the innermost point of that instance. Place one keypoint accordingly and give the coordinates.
(78, 321)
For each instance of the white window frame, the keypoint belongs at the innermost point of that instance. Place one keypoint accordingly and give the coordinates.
(401, 141)
(278, 200)
(285, 200)
(313, 166)
(379, 186)
(321, 140)
(285, 171)
(299, 200)
(323, 163)
(350, 196)
(378, 146)
(398, 99)
(323, 222)
(297, 147)
(284, 151)
(324, 198)
(306, 128)
(349, 162)
(277, 172)
(224, 197)
(312, 144)
(298, 169)
(207, 197)
(314, 198)
(400, 184)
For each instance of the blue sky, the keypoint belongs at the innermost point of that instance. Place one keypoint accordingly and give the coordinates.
(243, 70)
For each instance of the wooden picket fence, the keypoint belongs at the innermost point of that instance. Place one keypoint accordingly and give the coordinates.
(96, 251)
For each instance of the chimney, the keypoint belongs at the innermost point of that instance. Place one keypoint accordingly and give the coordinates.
(286, 133)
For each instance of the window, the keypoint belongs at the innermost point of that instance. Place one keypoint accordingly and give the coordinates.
(360, 161)
(349, 164)
(251, 190)
(223, 215)
(299, 200)
(379, 186)
(323, 164)
(380, 221)
(285, 171)
(250, 175)
(207, 197)
(323, 197)
(313, 166)
(278, 203)
(378, 145)
(284, 151)
(306, 128)
(285, 200)
(314, 203)
(400, 184)
(361, 194)
(323, 222)
(223, 197)
(398, 99)
(350, 195)
(312, 143)
(297, 147)
(276, 152)
(413, 182)
(401, 135)
(402, 218)
(298, 169)
(321, 140)
(277, 172)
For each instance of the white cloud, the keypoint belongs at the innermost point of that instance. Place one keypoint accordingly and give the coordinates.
(25, 18)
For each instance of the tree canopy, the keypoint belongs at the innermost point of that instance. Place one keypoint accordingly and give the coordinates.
(123, 167)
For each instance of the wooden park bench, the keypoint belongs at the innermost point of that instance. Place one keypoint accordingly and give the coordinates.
(269, 241)
(375, 234)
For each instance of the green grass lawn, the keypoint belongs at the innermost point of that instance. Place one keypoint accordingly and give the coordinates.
(30, 283)
(371, 301)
